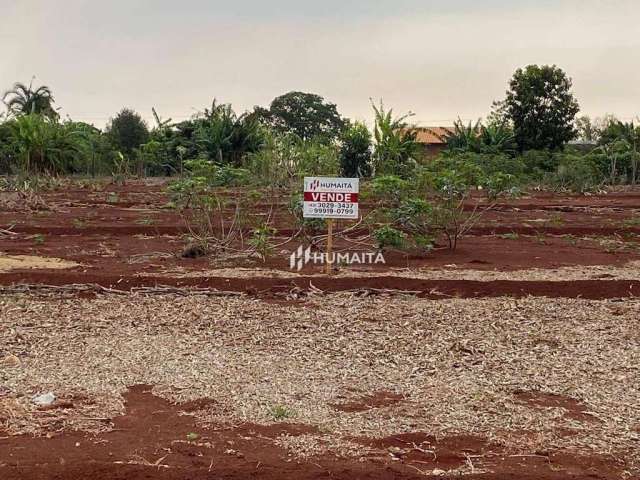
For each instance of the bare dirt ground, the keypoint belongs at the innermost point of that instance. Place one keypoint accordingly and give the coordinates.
(516, 356)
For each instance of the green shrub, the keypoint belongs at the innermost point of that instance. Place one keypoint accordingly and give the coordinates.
(261, 241)
(499, 184)
(538, 162)
(389, 189)
(414, 217)
(355, 151)
(309, 227)
(578, 173)
(387, 236)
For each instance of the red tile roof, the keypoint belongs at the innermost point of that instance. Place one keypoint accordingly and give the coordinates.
(432, 135)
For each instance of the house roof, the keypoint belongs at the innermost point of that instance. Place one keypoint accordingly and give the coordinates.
(432, 135)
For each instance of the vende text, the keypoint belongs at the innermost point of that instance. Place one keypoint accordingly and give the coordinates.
(330, 197)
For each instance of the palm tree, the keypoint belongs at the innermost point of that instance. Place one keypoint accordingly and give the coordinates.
(495, 138)
(396, 148)
(464, 138)
(23, 100)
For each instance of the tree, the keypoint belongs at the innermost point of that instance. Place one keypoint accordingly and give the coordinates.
(127, 131)
(499, 116)
(494, 138)
(23, 100)
(355, 151)
(225, 137)
(625, 135)
(395, 148)
(585, 129)
(45, 146)
(542, 108)
(305, 114)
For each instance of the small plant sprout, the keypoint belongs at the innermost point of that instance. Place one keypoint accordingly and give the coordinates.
(38, 238)
(79, 223)
(510, 236)
(113, 197)
(261, 241)
(280, 412)
(145, 221)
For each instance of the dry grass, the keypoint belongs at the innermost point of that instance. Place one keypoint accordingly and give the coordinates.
(18, 262)
(629, 271)
(458, 362)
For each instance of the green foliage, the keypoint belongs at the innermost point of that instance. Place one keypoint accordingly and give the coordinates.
(497, 139)
(538, 162)
(23, 100)
(203, 176)
(389, 190)
(127, 131)
(41, 145)
(478, 138)
(306, 115)
(622, 140)
(261, 240)
(577, 173)
(355, 151)
(280, 412)
(287, 158)
(496, 174)
(387, 236)
(39, 239)
(395, 149)
(414, 216)
(309, 227)
(542, 108)
(224, 137)
(586, 130)
(499, 184)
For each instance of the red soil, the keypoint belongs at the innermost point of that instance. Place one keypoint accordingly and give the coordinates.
(124, 231)
(273, 287)
(156, 439)
(572, 407)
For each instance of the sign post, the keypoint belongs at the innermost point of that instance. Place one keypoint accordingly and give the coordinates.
(331, 198)
(329, 245)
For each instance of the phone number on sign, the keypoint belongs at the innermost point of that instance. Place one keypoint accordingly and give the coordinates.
(331, 208)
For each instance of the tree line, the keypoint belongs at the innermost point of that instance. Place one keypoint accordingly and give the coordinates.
(531, 133)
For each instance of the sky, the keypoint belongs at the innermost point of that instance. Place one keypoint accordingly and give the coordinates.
(440, 60)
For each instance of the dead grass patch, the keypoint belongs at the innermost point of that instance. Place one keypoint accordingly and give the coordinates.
(457, 362)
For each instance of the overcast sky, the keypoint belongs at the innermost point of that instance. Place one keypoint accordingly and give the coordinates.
(438, 59)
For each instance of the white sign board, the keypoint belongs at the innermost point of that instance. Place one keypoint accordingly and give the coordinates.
(330, 197)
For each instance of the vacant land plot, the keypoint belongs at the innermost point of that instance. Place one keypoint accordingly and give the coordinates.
(515, 356)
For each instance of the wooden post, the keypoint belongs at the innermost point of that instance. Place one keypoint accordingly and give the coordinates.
(329, 245)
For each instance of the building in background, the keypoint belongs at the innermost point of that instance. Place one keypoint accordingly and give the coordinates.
(433, 139)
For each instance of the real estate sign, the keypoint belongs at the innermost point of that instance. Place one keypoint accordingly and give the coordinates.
(331, 197)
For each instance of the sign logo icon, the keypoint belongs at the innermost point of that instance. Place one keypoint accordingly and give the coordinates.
(299, 258)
